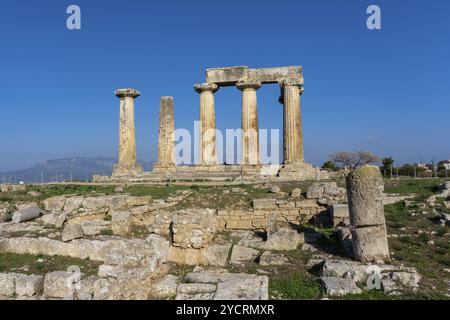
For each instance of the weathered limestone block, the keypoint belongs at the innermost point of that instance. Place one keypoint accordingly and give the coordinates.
(54, 204)
(71, 232)
(121, 222)
(241, 255)
(29, 285)
(328, 191)
(184, 256)
(237, 224)
(248, 287)
(215, 255)
(106, 289)
(340, 214)
(7, 284)
(284, 239)
(131, 201)
(84, 290)
(370, 243)
(164, 288)
(61, 284)
(296, 193)
(94, 227)
(365, 198)
(193, 228)
(339, 286)
(264, 204)
(73, 204)
(50, 219)
(4, 211)
(272, 259)
(26, 214)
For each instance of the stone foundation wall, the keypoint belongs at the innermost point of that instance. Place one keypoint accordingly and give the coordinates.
(266, 209)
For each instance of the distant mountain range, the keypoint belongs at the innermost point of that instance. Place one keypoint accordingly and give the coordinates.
(69, 169)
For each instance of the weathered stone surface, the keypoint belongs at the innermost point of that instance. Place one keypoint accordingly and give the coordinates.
(230, 286)
(71, 232)
(121, 222)
(272, 259)
(12, 187)
(326, 190)
(339, 286)
(370, 244)
(50, 219)
(84, 290)
(29, 285)
(60, 284)
(365, 194)
(106, 289)
(94, 227)
(7, 284)
(73, 204)
(184, 256)
(246, 288)
(193, 228)
(196, 288)
(264, 204)
(4, 211)
(340, 214)
(26, 214)
(166, 155)
(283, 239)
(164, 288)
(62, 218)
(215, 255)
(242, 255)
(296, 193)
(275, 189)
(54, 204)
(395, 283)
(345, 237)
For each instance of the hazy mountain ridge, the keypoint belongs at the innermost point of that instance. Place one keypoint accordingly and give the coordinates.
(67, 169)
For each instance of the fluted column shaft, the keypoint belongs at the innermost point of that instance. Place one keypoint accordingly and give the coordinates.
(207, 123)
(250, 133)
(166, 155)
(127, 140)
(292, 124)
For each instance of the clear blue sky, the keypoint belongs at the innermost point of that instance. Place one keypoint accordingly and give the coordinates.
(386, 91)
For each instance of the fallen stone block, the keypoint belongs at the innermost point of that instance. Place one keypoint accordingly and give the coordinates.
(272, 259)
(7, 284)
(29, 285)
(340, 214)
(164, 288)
(339, 286)
(26, 214)
(242, 255)
(72, 232)
(215, 255)
(196, 288)
(61, 284)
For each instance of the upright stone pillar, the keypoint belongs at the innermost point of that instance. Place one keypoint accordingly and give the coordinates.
(365, 198)
(208, 123)
(127, 163)
(292, 122)
(166, 156)
(250, 133)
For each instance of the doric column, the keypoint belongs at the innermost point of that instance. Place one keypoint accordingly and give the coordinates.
(250, 134)
(207, 123)
(292, 122)
(127, 163)
(166, 156)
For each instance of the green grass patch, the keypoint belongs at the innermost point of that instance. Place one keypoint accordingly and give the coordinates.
(40, 264)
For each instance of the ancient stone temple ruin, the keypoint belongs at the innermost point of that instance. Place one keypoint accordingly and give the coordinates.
(208, 168)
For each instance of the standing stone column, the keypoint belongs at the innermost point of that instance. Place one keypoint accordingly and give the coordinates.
(127, 163)
(166, 156)
(292, 122)
(250, 133)
(207, 123)
(365, 198)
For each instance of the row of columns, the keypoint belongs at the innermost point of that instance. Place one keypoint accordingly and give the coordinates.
(292, 127)
(292, 123)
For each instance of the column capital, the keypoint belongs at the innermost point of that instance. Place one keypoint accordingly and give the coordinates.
(123, 93)
(291, 82)
(203, 87)
(245, 85)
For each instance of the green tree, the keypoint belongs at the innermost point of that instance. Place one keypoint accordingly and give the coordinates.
(388, 166)
(329, 166)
